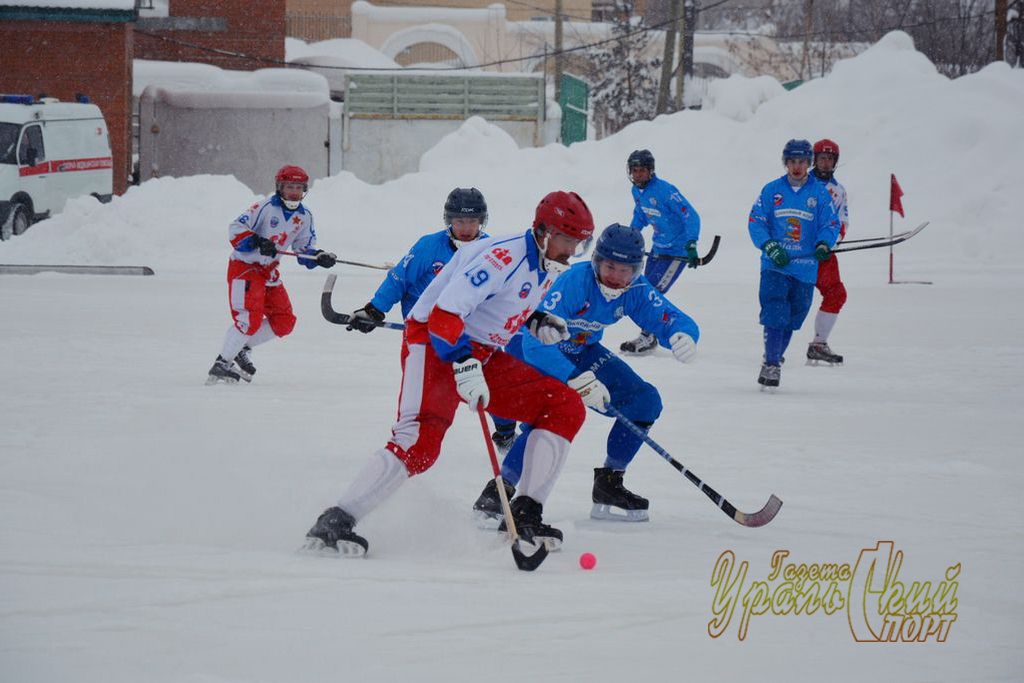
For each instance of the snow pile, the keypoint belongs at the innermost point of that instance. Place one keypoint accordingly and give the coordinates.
(738, 97)
(953, 145)
(343, 52)
(476, 142)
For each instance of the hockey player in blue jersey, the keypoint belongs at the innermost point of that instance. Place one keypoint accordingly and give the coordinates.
(676, 230)
(590, 297)
(795, 225)
(465, 215)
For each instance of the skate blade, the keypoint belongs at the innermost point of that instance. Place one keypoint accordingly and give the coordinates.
(246, 377)
(316, 547)
(210, 381)
(769, 388)
(617, 514)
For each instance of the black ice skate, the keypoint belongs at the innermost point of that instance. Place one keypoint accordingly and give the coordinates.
(642, 345)
(614, 501)
(488, 506)
(770, 376)
(222, 372)
(527, 514)
(820, 352)
(503, 438)
(245, 366)
(332, 535)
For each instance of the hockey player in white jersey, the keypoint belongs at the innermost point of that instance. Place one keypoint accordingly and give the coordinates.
(255, 289)
(453, 353)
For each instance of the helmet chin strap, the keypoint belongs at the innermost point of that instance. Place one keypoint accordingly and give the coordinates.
(610, 293)
(549, 265)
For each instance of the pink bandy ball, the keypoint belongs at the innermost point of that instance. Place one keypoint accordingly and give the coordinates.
(588, 561)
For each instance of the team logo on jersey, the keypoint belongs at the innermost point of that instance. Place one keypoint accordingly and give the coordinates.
(498, 257)
(777, 199)
(794, 230)
(274, 222)
(619, 312)
(654, 201)
(436, 266)
(514, 322)
(580, 339)
(524, 291)
(812, 202)
(296, 220)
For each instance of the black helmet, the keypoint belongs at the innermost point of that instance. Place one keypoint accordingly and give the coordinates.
(465, 203)
(639, 158)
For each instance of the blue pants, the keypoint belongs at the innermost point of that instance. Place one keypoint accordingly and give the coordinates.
(663, 271)
(785, 302)
(638, 400)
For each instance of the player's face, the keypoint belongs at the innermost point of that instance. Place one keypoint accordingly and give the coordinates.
(561, 246)
(825, 162)
(465, 229)
(615, 275)
(640, 175)
(293, 192)
(797, 168)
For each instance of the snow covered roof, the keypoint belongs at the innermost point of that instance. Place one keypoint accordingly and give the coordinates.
(338, 52)
(204, 78)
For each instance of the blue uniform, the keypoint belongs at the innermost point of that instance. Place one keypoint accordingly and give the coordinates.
(798, 219)
(575, 296)
(407, 280)
(675, 222)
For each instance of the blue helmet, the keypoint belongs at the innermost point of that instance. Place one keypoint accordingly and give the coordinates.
(619, 244)
(798, 149)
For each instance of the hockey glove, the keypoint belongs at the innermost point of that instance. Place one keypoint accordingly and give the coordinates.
(471, 384)
(548, 328)
(325, 259)
(365, 319)
(822, 252)
(775, 253)
(683, 347)
(592, 390)
(265, 246)
(692, 257)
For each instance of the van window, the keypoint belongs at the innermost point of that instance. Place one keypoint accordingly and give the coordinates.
(32, 139)
(8, 142)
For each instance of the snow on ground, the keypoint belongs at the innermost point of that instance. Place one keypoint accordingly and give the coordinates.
(150, 521)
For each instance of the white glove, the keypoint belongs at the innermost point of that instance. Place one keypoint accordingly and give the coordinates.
(548, 328)
(683, 347)
(471, 384)
(592, 390)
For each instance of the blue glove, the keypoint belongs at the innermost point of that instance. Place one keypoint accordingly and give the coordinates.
(822, 252)
(692, 257)
(774, 251)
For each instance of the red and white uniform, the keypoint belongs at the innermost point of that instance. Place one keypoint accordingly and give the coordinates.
(472, 308)
(255, 289)
(829, 283)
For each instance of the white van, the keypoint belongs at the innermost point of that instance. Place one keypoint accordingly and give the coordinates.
(50, 151)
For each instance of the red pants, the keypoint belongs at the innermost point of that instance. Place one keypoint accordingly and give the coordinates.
(833, 292)
(429, 399)
(255, 291)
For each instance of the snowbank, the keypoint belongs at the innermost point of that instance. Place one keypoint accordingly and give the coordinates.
(738, 97)
(954, 145)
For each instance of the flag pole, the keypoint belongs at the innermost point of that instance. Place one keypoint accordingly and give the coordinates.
(890, 246)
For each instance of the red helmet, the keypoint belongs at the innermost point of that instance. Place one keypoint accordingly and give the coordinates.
(826, 146)
(292, 174)
(565, 212)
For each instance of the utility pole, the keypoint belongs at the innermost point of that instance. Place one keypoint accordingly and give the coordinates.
(559, 60)
(1001, 8)
(681, 64)
(668, 58)
(805, 61)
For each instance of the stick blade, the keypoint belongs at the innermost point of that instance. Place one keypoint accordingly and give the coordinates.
(762, 516)
(326, 308)
(528, 563)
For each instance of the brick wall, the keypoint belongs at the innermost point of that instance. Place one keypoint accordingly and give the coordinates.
(64, 58)
(255, 29)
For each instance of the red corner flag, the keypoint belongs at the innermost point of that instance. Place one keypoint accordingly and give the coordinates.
(895, 193)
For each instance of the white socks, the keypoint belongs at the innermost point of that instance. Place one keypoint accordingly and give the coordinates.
(542, 462)
(381, 476)
(235, 340)
(823, 324)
